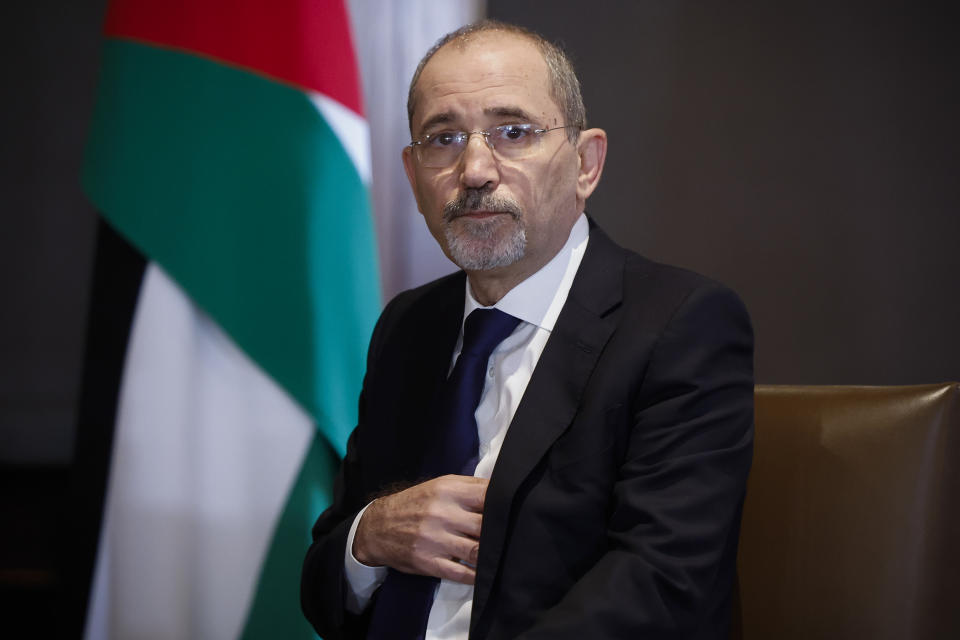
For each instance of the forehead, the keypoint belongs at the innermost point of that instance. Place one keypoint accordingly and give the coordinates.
(487, 74)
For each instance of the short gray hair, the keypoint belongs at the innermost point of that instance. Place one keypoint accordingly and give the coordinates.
(564, 85)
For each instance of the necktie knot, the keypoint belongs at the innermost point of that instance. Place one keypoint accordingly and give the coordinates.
(484, 329)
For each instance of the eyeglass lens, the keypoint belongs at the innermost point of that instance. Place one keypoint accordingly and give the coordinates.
(511, 141)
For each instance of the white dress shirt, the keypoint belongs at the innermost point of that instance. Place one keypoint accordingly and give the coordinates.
(537, 301)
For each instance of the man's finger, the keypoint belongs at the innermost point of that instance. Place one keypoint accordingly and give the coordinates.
(469, 491)
(455, 571)
(459, 548)
(469, 524)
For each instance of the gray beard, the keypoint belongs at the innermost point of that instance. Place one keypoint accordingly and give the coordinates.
(478, 245)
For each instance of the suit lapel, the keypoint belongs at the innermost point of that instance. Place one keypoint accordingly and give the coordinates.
(552, 396)
(437, 330)
(442, 328)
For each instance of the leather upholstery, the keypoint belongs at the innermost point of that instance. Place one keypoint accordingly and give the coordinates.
(851, 525)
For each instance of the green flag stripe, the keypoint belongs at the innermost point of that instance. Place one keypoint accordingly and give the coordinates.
(238, 187)
(275, 610)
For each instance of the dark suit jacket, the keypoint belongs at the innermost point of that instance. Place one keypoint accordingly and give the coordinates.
(614, 507)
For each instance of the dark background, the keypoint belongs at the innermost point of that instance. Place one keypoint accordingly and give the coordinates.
(803, 153)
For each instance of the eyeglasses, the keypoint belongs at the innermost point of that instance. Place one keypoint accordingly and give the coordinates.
(508, 141)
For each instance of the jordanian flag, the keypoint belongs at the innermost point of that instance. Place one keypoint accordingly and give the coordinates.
(229, 149)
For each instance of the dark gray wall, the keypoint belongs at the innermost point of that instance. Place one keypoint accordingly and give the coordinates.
(804, 153)
(49, 61)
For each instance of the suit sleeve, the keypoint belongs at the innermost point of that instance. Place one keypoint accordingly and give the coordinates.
(674, 520)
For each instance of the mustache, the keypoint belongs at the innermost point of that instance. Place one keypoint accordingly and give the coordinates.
(471, 200)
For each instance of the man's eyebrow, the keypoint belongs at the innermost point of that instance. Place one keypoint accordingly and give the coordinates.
(438, 118)
(509, 112)
(447, 117)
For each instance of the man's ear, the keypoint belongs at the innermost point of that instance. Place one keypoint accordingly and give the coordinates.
(592, 150)
(410, 169)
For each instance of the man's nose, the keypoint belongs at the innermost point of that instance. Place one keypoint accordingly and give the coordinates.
(479, 166)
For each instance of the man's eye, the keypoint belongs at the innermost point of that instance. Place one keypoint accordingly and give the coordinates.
(515, 132)
(443, 139)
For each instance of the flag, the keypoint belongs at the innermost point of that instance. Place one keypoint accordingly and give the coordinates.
(228, 146)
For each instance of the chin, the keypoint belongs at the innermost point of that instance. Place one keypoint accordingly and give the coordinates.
(481, 245)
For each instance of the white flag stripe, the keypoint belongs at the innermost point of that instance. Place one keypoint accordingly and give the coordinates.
(352, 130)
(207, 448)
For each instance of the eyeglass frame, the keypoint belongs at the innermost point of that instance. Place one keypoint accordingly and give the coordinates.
(486, 138)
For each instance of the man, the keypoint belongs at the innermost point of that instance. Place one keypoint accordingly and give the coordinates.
(612, 430)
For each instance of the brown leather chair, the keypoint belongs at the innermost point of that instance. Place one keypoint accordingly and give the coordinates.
(851, 526)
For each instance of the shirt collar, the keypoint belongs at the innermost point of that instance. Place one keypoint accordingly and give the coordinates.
(539, 299)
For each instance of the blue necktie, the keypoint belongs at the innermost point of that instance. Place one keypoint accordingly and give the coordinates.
(403, 602)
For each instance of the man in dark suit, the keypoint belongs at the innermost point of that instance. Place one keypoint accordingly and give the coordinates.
(613, 433)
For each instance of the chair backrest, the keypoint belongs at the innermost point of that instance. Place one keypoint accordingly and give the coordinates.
(851, 526)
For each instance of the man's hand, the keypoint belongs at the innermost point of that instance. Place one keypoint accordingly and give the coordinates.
(426, 529)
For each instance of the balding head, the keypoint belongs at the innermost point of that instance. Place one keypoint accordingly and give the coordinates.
(564, 85)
